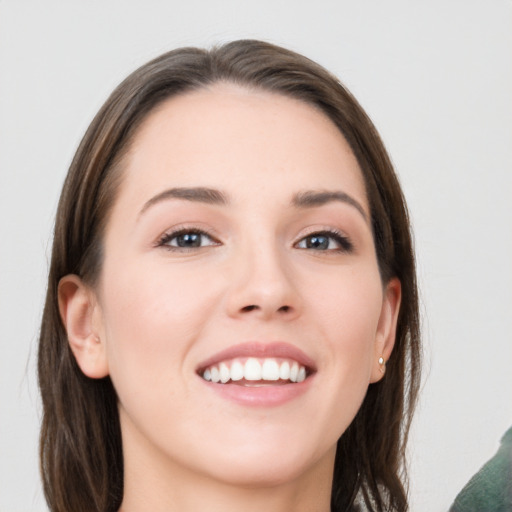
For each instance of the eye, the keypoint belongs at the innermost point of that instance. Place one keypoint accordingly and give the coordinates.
(186, 239)
(326, 241)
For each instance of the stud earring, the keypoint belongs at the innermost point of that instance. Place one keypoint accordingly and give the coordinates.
(382, 364)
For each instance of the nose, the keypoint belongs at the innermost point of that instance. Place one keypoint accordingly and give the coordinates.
(262, 286)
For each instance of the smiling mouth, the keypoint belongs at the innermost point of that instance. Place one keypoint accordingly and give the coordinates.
(256, 372)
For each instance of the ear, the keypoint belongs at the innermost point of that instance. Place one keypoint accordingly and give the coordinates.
(386, 329)
(81, 316)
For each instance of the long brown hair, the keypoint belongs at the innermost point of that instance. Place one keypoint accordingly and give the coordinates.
(81, 449)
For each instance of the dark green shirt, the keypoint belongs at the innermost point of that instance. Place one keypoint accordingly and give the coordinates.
(490, 490)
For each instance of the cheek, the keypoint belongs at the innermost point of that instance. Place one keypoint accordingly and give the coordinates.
(152, 319)
(347, 312)
(348, 306)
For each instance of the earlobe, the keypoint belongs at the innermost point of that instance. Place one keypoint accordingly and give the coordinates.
(80, 314)
(386, 330)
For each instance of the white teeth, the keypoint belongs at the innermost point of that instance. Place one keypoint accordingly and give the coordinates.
(268, 369)
(252, 369)
(284, 371)
(224, 373)
(237, 371)
(215, 374)
(294, 372)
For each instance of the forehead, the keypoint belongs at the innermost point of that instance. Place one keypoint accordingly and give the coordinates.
(240, 141)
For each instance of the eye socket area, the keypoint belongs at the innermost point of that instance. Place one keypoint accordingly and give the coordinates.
(326, 240)
(193, 238)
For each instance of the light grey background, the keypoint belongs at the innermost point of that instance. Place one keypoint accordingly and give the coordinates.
(436, 77)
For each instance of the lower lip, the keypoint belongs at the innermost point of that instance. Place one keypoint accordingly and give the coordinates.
(263, 396)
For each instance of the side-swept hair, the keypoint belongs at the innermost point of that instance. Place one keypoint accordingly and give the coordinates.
(80, 446)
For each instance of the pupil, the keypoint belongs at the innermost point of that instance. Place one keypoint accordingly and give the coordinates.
(189, 240)
(317, 242)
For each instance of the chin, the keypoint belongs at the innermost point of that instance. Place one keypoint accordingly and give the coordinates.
(265, 472)
(256, 465)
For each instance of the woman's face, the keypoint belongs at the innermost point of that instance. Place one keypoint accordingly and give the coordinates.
(240, 247)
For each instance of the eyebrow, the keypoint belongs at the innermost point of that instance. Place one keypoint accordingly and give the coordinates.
(307, 199)
(311, 199)
(196, 194)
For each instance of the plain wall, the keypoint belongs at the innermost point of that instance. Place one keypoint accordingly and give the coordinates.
(436, 78)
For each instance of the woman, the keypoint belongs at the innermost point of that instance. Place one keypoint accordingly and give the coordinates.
(231, 319)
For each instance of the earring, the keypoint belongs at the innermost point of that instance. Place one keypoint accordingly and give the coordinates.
(382, 364)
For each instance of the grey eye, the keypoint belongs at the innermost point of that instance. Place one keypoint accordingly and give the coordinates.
(187, 239)
(325, 241)
(318, 242)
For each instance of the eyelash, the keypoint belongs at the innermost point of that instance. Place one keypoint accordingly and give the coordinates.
(344, 244)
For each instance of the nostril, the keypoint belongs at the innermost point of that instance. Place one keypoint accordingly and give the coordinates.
(249, 308)
(255, 307)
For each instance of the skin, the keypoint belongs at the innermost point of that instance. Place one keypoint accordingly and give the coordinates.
(159, 310)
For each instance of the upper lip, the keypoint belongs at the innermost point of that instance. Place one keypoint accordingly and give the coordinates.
(260, 350)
